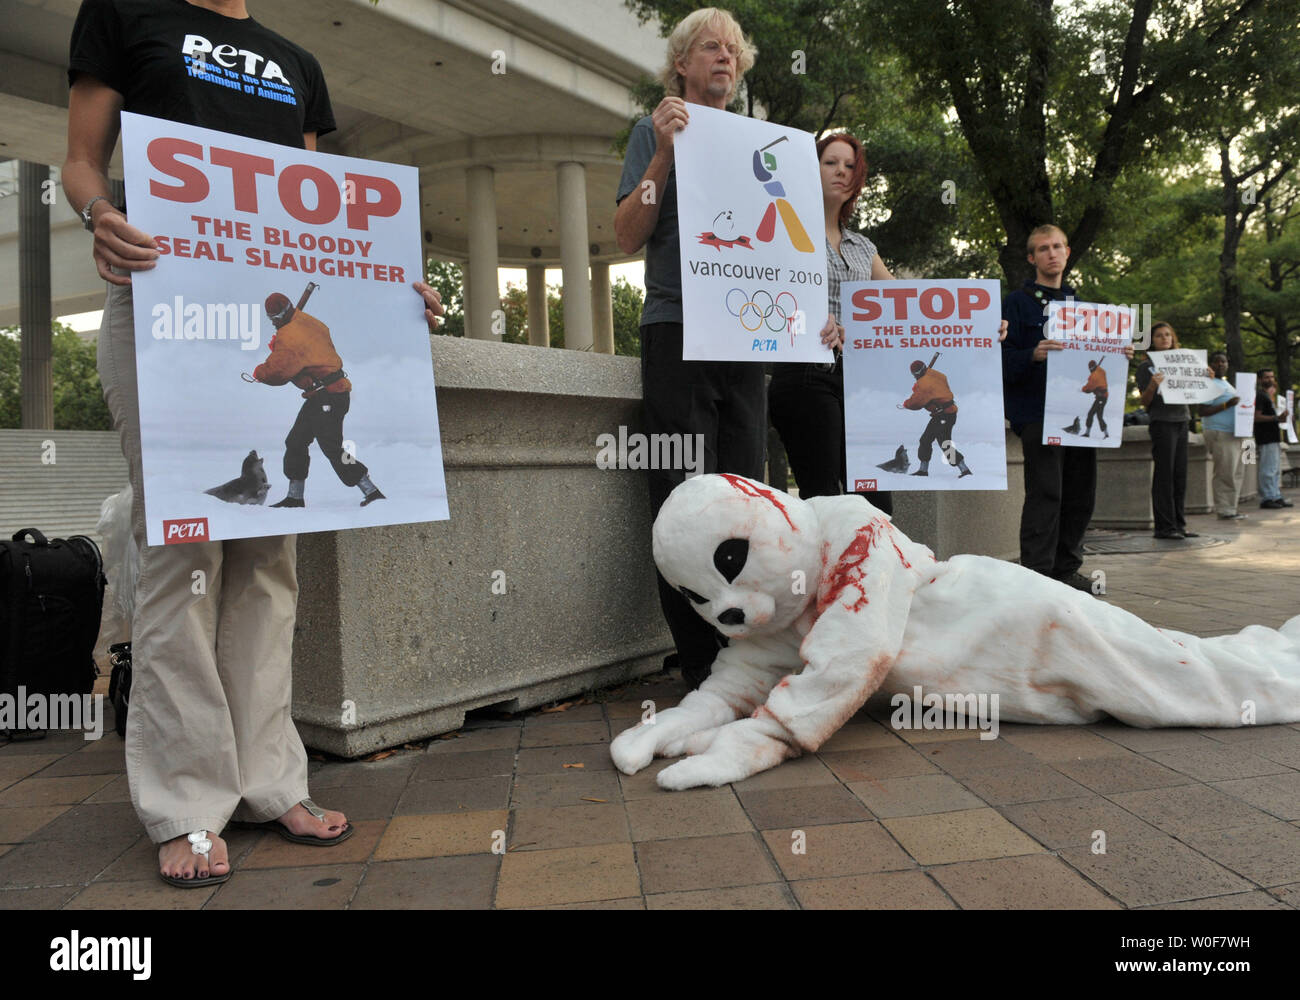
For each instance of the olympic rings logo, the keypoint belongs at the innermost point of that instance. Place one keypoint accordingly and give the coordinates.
(762, 309)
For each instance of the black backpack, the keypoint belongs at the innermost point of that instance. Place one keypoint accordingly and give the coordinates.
(51, 599)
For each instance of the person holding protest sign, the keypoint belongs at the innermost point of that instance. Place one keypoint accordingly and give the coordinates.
(1218, 427)
(1060, 482)
(1168, 430)
(1270, 414)
(806, 400)
(723, 401)
(209, 734)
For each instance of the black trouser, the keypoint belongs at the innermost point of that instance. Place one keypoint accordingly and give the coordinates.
(726, 402)
(806, 403)
(939, 429)
(1098, 411)
(1169, 478)
(1060, 489)
(321, 420)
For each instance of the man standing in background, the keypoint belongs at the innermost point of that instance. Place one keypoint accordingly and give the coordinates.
(1269, 416)
(1218, 426)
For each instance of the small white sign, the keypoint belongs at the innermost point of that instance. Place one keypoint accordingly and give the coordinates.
(1246, 407)
(1185, 379)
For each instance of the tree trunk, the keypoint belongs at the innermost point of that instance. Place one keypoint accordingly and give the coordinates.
(1229, 286)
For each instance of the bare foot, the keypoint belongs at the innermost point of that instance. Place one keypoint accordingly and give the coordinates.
(177, 859)
(298, 820)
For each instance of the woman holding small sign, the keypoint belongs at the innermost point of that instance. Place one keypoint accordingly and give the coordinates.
(1168, 429)
(806, 401)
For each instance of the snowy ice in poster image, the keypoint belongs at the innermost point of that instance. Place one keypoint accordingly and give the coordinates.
(750, 220)
(285, 373)
(923, 386)
(1087, 378)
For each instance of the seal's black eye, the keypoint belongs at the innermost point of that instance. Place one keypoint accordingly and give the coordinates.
(693, 596)
(730, 557)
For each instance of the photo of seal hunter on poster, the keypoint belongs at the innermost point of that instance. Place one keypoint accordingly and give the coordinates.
(258, 346)
(1080, 409)
(923, 386)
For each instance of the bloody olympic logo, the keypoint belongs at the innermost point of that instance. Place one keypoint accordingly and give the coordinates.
(762, 309)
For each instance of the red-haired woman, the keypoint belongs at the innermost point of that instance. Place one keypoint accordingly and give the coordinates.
(806, 401)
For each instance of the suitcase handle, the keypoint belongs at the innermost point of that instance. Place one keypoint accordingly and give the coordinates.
(37, 537)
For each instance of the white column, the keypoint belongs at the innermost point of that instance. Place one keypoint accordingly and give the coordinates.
(539, 315)
(464, 294)
(602, 309)
(571, 182)
(483, 300)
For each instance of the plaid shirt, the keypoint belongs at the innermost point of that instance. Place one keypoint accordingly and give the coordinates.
(855, 264)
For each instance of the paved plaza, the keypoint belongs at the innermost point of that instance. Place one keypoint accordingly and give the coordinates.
(515, 812)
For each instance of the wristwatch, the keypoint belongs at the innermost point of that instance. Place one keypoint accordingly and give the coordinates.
(87, 219)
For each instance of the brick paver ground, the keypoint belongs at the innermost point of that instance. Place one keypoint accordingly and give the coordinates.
(877, 819)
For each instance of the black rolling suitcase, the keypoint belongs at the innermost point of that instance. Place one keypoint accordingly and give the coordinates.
(51, 598)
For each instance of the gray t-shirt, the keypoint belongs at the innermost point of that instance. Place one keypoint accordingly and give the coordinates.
(663, 261)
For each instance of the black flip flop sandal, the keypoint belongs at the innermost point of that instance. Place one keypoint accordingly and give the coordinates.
(304, 838)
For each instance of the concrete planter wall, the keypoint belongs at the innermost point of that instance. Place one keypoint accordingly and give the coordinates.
(399, 629)
(984, 522)
(1124, 482)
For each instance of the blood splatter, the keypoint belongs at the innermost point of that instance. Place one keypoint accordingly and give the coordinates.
(715, 241)
(756, 491)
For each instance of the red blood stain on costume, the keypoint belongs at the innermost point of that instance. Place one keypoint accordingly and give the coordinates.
(848, 572)
(752, 490)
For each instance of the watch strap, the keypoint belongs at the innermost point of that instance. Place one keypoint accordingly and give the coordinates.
(87, 219)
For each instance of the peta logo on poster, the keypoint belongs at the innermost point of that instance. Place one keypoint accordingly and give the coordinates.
(189, 529)
(199, 48)
(1053, 440)
(864, 486)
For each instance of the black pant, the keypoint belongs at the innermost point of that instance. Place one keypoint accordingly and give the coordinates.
(1098, 408)
(726, 402)
(939, 429)
(1169, 479)
(1060, 490)
(806, 403)
(321, 420)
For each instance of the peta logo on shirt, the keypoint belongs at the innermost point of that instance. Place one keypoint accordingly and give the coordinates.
(199, 48)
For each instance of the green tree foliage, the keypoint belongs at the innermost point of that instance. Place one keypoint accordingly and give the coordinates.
(627, 316)
(1057, 101)
(805, 75)
(78, 397)
(445, 278)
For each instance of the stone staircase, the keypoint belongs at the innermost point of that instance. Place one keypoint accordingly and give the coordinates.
(59, 497)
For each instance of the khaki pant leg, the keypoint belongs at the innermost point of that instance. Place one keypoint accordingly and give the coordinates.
(254, 656)
(180, 748)
(1228, 469)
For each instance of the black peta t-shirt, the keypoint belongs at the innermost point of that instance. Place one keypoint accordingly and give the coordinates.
(172, 60)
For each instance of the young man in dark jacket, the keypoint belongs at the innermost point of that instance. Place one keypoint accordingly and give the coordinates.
(1060, 482)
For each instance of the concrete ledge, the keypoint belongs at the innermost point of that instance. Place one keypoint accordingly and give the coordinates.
(401, 630)
(1124, 481)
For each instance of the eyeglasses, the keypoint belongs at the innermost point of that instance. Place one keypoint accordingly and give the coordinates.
(713, 47)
